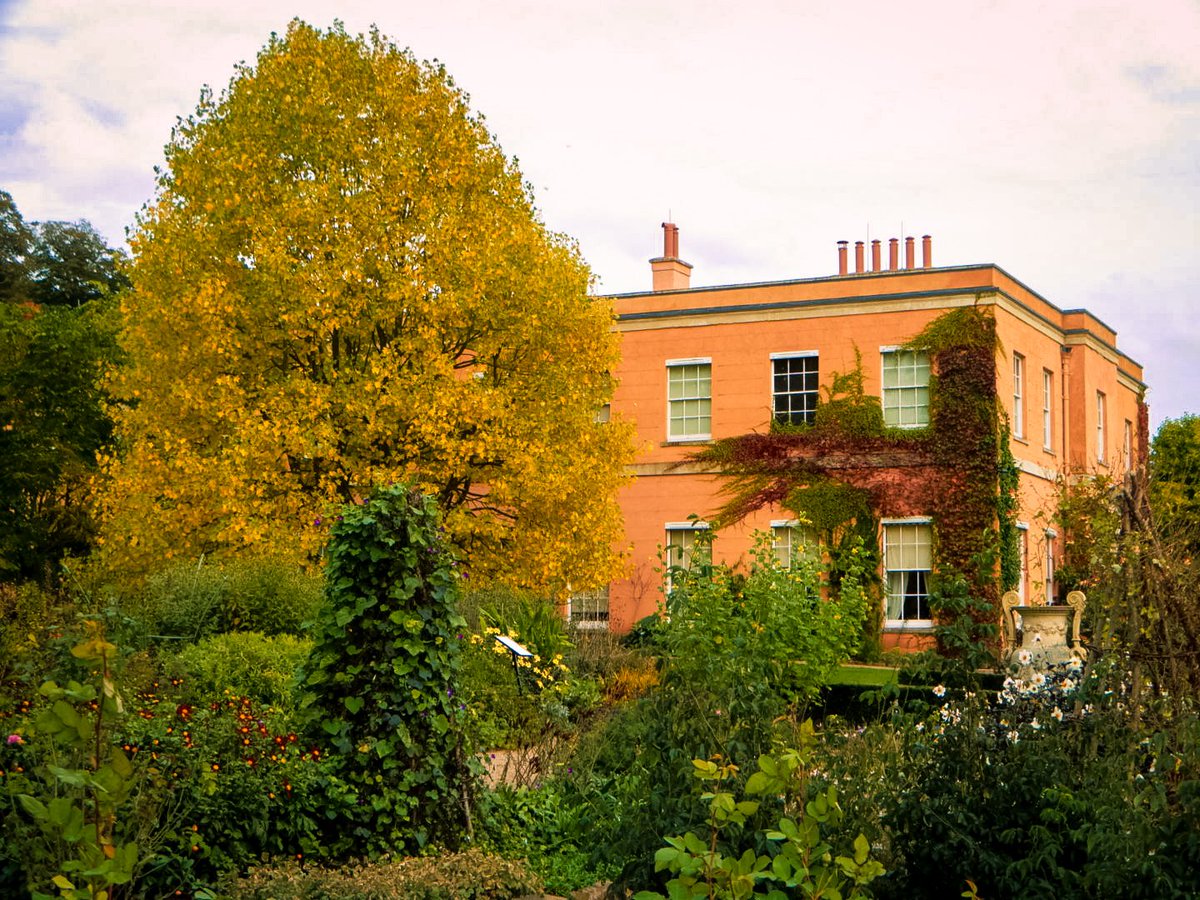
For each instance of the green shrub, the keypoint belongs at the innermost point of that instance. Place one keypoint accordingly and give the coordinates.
(382, 681)
(245, 664)
(1052, 791)
(469, 875)
(741, 655)
(542, 826)
(25, 613)
(728, 862)
(191, 601)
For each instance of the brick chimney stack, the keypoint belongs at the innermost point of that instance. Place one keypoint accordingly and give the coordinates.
(669, 272)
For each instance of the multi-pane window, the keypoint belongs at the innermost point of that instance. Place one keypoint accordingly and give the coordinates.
(689, 399)
(1047, 406)
(1018, 395)
(681, 543)
(790, 539)
(1127, 445)
(1101, 421)
(794, 387)
(907, 562)
(589, 609)
(905, 388)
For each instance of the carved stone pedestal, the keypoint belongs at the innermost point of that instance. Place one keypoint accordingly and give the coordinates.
(1049, 634)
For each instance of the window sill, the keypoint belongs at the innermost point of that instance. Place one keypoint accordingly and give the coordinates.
(590, 624)
(917, 625)
(1021, 439)
(686, 442)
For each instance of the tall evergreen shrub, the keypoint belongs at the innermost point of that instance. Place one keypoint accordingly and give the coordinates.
(382, 681)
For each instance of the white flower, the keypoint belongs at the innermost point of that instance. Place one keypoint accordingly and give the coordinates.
(939, 691)
(1024, 657)
(1057, 714)
(1068, 684)
(1013, 736)
(1035, 724)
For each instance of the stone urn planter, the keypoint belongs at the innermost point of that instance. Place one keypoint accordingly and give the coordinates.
(1049, 634)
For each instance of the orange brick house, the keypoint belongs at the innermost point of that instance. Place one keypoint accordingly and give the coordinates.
(703, 363)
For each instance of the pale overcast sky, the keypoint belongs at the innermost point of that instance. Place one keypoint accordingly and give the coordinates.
(1059, 140)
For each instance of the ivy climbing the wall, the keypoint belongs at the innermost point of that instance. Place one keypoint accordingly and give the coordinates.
(846, 468)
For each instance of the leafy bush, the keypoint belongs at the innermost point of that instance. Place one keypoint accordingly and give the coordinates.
(25, 612)
(631, 681)
(247, 664)
(1052, 790)
(382, 682)
(503, 713)
(742, 653)
(724, 864)
(80, 832)
(196, 600)
(469, 875)
(542, 825)
(199, 788)
(540, 697)
(535, 621)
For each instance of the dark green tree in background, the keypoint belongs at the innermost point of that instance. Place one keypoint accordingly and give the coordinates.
(1175, 477)
(57, 338)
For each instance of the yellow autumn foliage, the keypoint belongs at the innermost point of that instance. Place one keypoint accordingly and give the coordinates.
(342, 282)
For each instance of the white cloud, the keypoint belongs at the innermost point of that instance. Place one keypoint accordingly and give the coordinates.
(1057, 140)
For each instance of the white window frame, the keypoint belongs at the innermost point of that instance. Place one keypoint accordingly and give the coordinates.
(589, 610)
(1051, 537)
(783, 532)
(1127, 445)
(891, 398)
(1023, 555)
(902, 623)
(1047, 409)
(1018, 366)
(671, 419)
(690, 527)
(1101, 425)
(775, 394)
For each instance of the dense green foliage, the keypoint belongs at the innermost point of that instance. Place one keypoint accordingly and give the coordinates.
(57, 341)
(741, 654)
(799, 862)
(469, 875)
(1175, 470)
(382, 680)
(1046, 792)
(188, 601)
(246, 664)
(53, 425)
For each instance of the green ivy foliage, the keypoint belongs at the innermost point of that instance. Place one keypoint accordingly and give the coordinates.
(382, 678)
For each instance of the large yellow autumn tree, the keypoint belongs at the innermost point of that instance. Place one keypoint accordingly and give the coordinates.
(343, 282)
